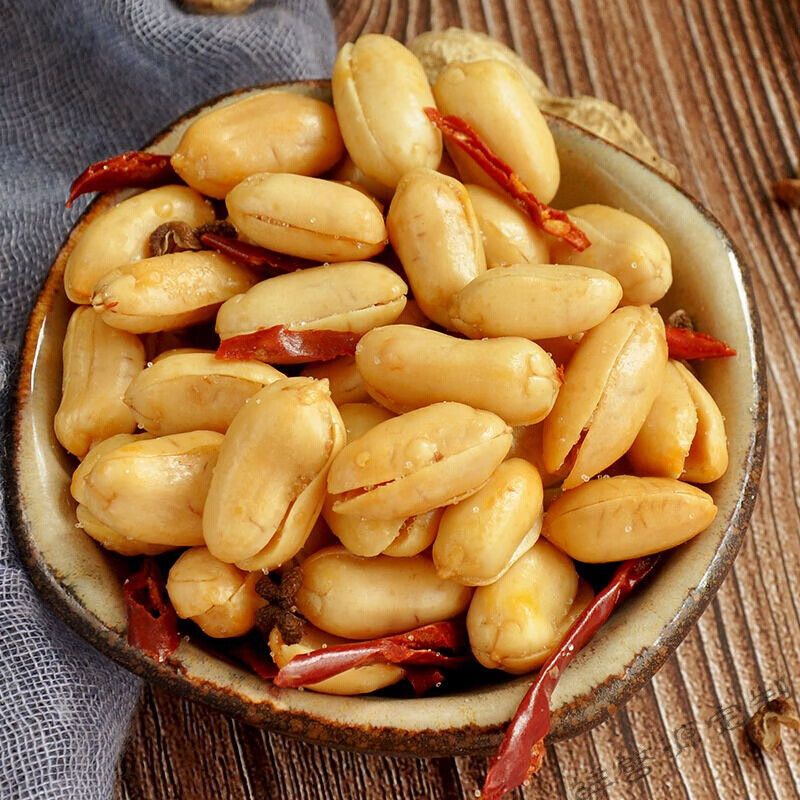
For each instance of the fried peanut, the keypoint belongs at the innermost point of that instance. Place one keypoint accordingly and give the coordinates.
(351, 296)
(708, 457)
(353, 681)
(493, 99)
(218, 597)
(99, 364)
(190, 391)
(509, 235)
(344, 379)
(625, 247)
(307, 217)
(363, 598)
(152, 490)
(166, 292)
(111, 540)
(428, 458)
(406, 367)
(613, 519)
(609, 388)
(284, 438)
(481, 537)
(347, 172)
(387, 133)
(269, 132)
(370, 537)
(515, 623)
(537, 301)
(661, 446)
(416, 534)
(121, 235)
(527, 444)
(435, 233)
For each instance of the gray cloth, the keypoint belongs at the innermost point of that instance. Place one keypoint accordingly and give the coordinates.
(83, 80)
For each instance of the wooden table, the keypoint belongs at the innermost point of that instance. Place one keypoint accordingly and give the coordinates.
(716, 84)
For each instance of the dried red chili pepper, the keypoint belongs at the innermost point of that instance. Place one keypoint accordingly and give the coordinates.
(253, 657)
(687, 344)
(550, 220)
(423, 679)
(152, 621)
(253, 256)
(420, 646)
(132, 170)
(522, 751)
(279, 345)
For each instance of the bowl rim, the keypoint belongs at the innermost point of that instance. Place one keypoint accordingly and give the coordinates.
(571, 719)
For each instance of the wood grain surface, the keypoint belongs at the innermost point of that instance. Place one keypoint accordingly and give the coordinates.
(716, 84)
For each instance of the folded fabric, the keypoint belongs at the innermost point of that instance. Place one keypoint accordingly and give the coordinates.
(84, 80)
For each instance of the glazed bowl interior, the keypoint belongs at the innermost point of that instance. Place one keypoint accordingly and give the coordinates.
(82, 582)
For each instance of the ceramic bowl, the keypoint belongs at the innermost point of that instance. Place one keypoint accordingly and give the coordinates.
(82, 582)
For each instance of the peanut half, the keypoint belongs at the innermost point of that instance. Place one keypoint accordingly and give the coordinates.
(351, 296)
(363, 598)
(307, 217)
(269, 132)
(613, 519)
(387, 133)
(285, 438)
(406, 367)
(431, 457)
(99, 364)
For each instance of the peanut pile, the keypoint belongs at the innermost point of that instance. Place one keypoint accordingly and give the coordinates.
(408, 481)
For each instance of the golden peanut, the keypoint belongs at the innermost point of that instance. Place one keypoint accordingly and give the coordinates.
(482, 536)
(218, 597)
(707, 460)
(416, 534)
(343, 377)
(358, 418)
(435, 233)
(509, 235)
(537, 301)
(178, 351)
(346, 171)
(190, 391)
(412, 315)
(151, 490)
(351, 296)
(270, 132)
(370, 537)
(98, 451)
(364, 537)
(493, 99)
(307, 217)
(613, 519)
(167, 292)
(515, 623)
(353, 681)
(561, 348)
(111, 540)
(428, 458)
(527, 444)
(406, 367)
(609, 388)
(120, 236)
(99, 363)
(269, 483)
(661, 446)
(625, 247)
(362, 598)
(379, 92)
